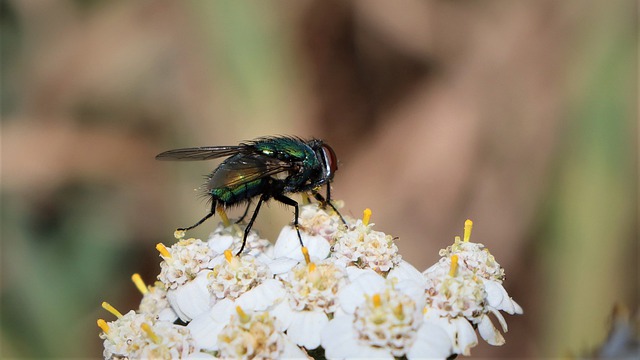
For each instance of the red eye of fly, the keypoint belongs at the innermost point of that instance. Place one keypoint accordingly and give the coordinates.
(331, 161)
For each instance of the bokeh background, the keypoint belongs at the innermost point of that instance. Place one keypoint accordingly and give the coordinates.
(521, 115)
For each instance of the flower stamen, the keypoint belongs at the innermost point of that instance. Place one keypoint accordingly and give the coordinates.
(103, 325)
(223, 216)
(467, 230)
(305, 253)
(163, 250)
(366, 216)
(111, 309)
(244, 317)
(150, 333)
(377, 302)
(228, 255)
(454, 265)
(137, 280)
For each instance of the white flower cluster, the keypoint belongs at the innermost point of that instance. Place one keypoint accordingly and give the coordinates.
(347, 293)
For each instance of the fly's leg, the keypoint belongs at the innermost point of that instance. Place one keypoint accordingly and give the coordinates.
(210, 214)
(327, 201)
(288, 201)
(244, 215)
(250, 224)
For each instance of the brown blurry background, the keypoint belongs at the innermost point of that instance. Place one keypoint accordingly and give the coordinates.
(520, 115)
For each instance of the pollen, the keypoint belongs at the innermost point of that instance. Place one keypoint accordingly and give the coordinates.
(111, 309)
(137, 280)
(163, 250)
(103, 325)
(366, 216)
(312, 267)
(467, 230)
(244, 318)
(454, 265)
(228, 255)
(179, 234)
(150, 333)
(223, 216)
(377, 302)
(305, 252)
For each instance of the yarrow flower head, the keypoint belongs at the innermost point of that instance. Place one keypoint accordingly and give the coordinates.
(255, 336)
(361, 246)
(336, 290)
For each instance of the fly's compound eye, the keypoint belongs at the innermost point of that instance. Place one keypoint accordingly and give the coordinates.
(330, 160)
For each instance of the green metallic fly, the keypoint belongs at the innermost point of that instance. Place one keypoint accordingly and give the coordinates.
(265, 168)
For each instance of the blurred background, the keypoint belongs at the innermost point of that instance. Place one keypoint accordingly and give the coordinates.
(521, 115)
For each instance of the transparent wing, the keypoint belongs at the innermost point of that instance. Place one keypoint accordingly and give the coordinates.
(240, 170)
(202, 153)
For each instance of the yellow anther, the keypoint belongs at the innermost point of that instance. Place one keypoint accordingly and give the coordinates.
(137, 280)
(149, 331)
(179, 234)
(223, 216)
(305, 253)
(312, 267)
(467, 230)
(424, 310)
(163, 250)
(377, 302)
(244, 318)
(366, 216)
(228, 255)
(399, 311)
(454, 265)
(103, 325)
(111, 309)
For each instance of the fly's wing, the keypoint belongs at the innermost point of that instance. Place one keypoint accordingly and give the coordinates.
(202, 153)
(243, 169)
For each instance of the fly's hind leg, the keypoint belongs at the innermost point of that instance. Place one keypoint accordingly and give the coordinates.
(210, 214)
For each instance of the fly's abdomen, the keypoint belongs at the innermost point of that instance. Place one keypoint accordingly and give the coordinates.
(231, 195)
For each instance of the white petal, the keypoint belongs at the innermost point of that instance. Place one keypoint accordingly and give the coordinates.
(282, 265)
(465, 337)
(292, 351)
(489, 333)
(282, 311)
(220, 243)
(306, 326)
(339, 342)
(288, 245)
(459, 330)
(192, 298)
(406, 271)
(352, 295)
(206, 327)
(168, 315)
(431, 342)
(262, 296)
(503, 322)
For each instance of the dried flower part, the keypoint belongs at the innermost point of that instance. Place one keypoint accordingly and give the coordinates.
(251, 337)
(315, 287)
(154, 302)
(235, 275)
(165, 341)
(389, 320)
(475, 257)
(454, 295)
(363, 247)
(186, 259)
(319, 222)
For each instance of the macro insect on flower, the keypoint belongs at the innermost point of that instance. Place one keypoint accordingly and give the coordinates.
(265, 168)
